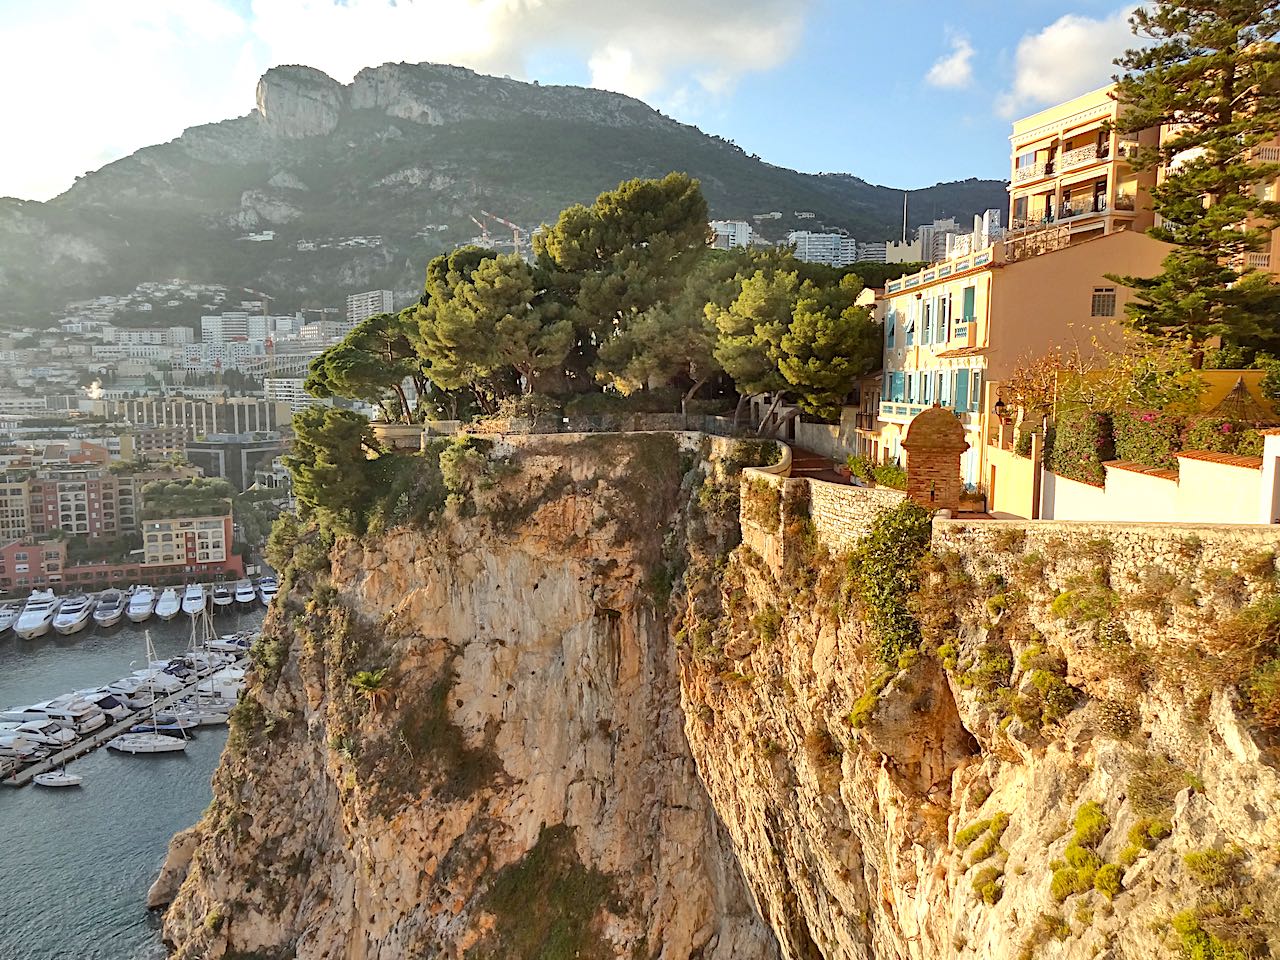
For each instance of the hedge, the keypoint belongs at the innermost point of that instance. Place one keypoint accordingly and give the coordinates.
(1082, 442)
(1148, 437)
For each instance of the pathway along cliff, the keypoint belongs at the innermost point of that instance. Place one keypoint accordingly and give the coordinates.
(569, 715)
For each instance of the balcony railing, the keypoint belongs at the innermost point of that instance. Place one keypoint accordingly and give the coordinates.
(1082, 156)
(1265, 154)
(1259, 261)
(864, 421)
(1033, 172)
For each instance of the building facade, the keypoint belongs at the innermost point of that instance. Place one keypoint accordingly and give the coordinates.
(197, 418)
(1070, 166)
(730, 234)
(192, 542)
(361, 306)
(833, 249)
(954, 332)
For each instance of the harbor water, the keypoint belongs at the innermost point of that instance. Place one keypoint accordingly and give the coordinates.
(75, 863)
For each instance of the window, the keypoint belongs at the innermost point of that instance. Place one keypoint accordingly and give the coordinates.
(970, 299)
(890, 328)
(1104, 302)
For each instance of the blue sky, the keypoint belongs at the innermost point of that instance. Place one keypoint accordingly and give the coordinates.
(900, 92)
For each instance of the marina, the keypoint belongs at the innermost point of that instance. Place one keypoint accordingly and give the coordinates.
(61, 844)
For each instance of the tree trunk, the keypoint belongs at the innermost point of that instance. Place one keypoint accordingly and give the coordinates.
(768, 415)
(684, 401)
(406, 415)
(737, 411)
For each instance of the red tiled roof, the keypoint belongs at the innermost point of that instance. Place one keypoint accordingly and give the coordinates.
(1226, 459)
(1162, 472)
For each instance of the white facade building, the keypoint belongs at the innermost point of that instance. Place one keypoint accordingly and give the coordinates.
(363, 305)
(833, 249)
(289, 390)
(225, 327)
(730, 234)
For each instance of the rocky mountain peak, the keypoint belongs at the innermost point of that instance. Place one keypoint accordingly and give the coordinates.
(296, 101)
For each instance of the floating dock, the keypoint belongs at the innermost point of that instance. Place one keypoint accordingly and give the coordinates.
(96, 739)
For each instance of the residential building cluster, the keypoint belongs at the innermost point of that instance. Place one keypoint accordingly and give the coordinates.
(70, 513)
(956, 331)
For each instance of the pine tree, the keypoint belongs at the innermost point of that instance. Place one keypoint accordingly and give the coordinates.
(1210, 81)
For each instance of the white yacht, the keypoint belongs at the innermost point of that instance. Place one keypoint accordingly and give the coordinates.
(193, 599)
(8, 615)
(245, 594)
(20, 747)
(168, 605)
(57, 778)
(222, 597)
(74, 614)
(110, 608)
(37, 616)
(78, 714)
(48, 732)
(141, 605)
(267, 589)
(146, 743)
(115, 706)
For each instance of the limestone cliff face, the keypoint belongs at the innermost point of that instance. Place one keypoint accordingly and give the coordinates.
(520, 782)
(1044, 777)
(995, 741)
(297, 101)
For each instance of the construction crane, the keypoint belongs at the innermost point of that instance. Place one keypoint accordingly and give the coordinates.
(517, 232)
(484, 230)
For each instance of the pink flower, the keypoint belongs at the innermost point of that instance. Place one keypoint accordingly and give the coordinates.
(1225, 428)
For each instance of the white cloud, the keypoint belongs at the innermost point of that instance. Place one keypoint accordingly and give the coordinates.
(133, 72)
(1071, 56)
(955, 69)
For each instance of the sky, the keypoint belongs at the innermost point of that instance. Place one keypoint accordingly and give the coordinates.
(904, 93)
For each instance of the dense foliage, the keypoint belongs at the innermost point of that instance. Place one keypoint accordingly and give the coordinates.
(1207, 75)
(885, 571)
(1082, 442)
(623, 296)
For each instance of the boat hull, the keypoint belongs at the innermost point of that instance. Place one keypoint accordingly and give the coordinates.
(136, 743)
(109, 620)
(67, 629)
(55, 779)
(32, 632)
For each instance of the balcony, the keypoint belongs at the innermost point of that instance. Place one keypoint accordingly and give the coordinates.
(1082, 157)
(1034, 172)
(899, 411)
(1258, 261)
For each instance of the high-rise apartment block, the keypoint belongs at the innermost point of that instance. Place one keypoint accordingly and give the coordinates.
(361, 306)
(833, 249)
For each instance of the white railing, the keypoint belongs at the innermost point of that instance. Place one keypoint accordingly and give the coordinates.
(1033, 172)
(1261, 261)
(1080, 156)
(1266, 154)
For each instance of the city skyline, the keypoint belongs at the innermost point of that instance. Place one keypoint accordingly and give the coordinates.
(967, 72)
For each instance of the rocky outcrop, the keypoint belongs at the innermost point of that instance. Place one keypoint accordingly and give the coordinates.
(489, 738)
(1057, 765)
(296, 102)
(521, 781)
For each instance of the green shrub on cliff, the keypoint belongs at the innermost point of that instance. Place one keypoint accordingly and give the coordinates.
(545, 905)
(884, 570)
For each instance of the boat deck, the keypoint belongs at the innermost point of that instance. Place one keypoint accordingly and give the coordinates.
(96, 739)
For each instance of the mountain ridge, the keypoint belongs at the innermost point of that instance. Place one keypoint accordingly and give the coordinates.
(405, 153)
